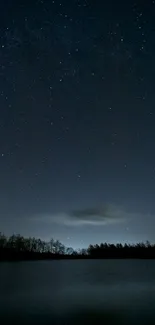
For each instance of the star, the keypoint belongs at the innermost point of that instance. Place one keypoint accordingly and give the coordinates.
(77, 114)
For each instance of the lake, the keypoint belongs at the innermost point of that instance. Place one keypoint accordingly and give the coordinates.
(78, 292)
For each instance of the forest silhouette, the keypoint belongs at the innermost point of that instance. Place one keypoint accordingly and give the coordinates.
(17, 247)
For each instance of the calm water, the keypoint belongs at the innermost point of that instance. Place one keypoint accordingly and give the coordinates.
(78, 292)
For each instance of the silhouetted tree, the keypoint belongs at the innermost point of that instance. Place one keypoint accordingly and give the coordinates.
(3, 241)
(18, 247)
(83, 252)
(69, 250)
(59, 247)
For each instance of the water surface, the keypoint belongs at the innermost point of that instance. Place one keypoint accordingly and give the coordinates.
(78, 292)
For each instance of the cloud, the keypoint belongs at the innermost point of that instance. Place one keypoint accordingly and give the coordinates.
(104, 215)
(94, 216)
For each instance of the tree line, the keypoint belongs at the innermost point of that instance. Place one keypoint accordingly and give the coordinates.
(17, 247)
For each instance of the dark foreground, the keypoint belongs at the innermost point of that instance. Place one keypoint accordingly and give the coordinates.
(78, 292)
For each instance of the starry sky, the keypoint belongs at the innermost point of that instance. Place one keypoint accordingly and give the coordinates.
(77, 120)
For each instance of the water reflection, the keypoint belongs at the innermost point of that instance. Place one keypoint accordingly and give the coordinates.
(78, 292)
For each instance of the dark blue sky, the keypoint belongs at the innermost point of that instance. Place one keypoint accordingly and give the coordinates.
(77, 119)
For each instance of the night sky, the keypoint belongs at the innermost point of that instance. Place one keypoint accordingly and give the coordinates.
(77, 120)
